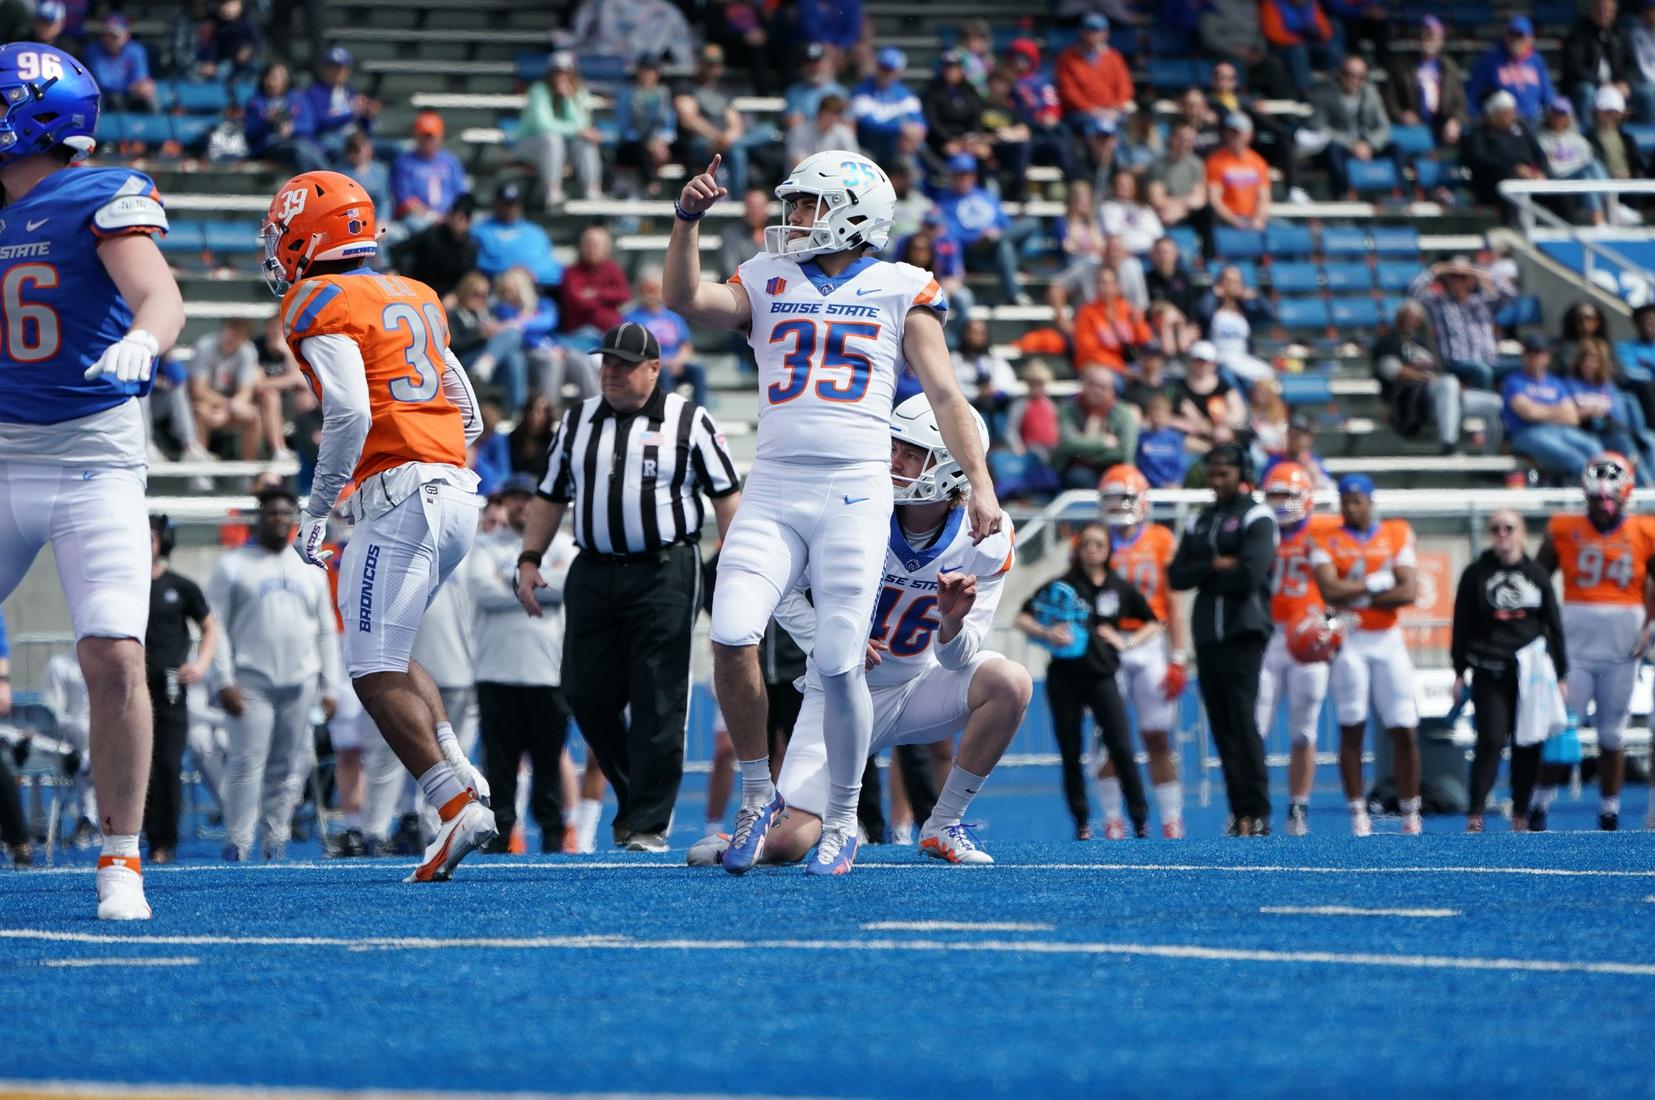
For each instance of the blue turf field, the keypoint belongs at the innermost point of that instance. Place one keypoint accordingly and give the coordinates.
(1512, 965)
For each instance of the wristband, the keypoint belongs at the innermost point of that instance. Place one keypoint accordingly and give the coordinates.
(1178, 657)
(678, 212)
(529, 557)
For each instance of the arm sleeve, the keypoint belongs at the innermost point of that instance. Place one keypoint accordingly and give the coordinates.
(337, 362)
(1258, 555)
(715, 473)
(968, 642)
(457, 388)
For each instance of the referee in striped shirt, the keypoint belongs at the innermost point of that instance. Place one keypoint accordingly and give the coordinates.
(632, 465)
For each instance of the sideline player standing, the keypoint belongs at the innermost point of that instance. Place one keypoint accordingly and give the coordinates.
(831, 327)
(397, 416)
(89, 303)
(1606, 557)
(1152, 676)
(1367, 565)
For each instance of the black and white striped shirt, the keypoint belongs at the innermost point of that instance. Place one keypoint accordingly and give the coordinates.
(636, 480)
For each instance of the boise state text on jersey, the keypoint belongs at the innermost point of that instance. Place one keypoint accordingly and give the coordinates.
(61, 309)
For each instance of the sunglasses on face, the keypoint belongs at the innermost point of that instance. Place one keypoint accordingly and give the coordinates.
(1501, 529)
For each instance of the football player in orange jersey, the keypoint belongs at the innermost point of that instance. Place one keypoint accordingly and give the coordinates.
(1608, 595)
(1367, 566)
(397, 416)
(1289, 491)
(1152, 675)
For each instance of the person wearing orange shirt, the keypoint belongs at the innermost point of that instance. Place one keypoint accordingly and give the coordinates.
(1153, 674)
(1607, 559)
(397, 417)
(1093, 81)
(1300, 34)
(1108, 328)
(1238, 179)
(1367, 566)
(1289, 491)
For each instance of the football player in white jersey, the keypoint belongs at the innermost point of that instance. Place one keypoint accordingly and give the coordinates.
(925, 660)
(831, 327)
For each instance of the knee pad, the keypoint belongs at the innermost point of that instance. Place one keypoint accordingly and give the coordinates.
(1612, 738)
(841, 642)
(742, 606)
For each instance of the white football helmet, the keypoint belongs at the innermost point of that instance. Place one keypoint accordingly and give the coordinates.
(855, 205)
(912, 423)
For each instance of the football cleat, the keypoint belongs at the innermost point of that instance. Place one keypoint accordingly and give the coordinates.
(121, 889)
(1114, 829)
(646, 842)
(708, 851)
(1360, 823)
(1083, 831)
(1412, 825)
(1260, 827)
(835, 853)
(1609, 822)
(471, 826)
(954, 843)
(747, 838)
(1298, 819)
(351, 845)
(1173, 830)
(1537, 820)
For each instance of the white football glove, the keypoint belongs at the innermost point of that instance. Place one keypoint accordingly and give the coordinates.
(1382, 581)
(129, 359)
(313, 532)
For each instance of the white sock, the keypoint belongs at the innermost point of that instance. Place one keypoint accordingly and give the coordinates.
(1169, 799)
(1543, 798)
(445, 737)
(957, 792)
(756, 786)
(586, 823)
(124, 846)
(712, 827)
(1358, 806)
(441, 785)
(1409, 805)
(1609, 804)
(1109, 797)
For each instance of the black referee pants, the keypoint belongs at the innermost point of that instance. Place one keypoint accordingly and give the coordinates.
(1229, 672)
(166, 788)
(626, 643)
(514, 719)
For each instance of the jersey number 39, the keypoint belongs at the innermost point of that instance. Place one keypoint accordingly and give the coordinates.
(802, 359)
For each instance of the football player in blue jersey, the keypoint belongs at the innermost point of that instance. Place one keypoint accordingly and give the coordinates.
(88, 304)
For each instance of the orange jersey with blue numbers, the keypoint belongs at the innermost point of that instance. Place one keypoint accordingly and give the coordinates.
(1143, 560)
(1603, 567)
(1293, 588)
(401, 330)
(1355, 554)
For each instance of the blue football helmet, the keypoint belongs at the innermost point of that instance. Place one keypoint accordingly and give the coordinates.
(49, 99)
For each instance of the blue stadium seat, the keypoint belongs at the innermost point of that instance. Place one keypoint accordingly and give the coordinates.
(1362, 313)
(1234, 244)
(531, 64)
(602, 69)
(1389, 304)
(1302, 313)
(1289, 239)
(1177, 73)
(1248, 269)
(1189, 245)
(183, 237)
(231, 237)
(200, 97)
(1413, 141)
(1642, 135)
(1344, 240)
(1430, 173)
(1395, 275)
(1395, 240)
(119, 126)
(1369, 177)
(1304, 389)
(1524, 311)
(191, 130)
(1348, 276)
(1295, 277)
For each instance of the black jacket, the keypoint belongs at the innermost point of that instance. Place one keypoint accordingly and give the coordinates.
(1229, 603)
(1587, 47)
(1493, 155)
(1499, 609)
(436, 257)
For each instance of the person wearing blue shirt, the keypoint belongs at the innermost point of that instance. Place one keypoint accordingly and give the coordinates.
(426, 179)
(339, 109)
(121, 68)
(975, 219)
(805, 96)
(507, 240)
(1162, 455)
(1514, 66)
(279, 123)
(1540, 418)
(1637, 356)
(491, 454)
(890, 122)
(672, 332)
(835, 23)
(359, 164)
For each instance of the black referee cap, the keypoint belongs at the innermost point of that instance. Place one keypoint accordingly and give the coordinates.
(630, 342)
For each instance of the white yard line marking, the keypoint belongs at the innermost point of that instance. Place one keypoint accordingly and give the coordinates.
(1352, 911)
(176, 960)
(956, 926)
(1012, 947)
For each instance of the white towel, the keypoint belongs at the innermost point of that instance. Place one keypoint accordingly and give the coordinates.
(1540, 710)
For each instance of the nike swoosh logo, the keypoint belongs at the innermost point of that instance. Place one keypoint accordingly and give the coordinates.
(858, 500)
(32, 226)
(865, 293)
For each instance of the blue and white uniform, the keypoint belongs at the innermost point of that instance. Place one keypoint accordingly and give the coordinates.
(921, 690)
(818, 501)
(72, 451)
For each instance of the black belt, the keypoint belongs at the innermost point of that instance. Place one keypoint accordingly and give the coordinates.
(649, 557)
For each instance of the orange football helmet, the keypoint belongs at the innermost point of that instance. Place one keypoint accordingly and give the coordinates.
(1123, 496)
(315, 216)
(1609, 477)
(1316, 637)
(1289, 492)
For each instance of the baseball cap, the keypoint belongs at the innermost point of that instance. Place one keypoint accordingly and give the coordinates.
(1204, 351)
(563, 61)
(891, 58)
(1431, 23)
(815, 51)
(338, 55)
(518, 483)
(1356, 485)
(1300, 423)
(510, 191)
(1238, 122)
(1535, 341)
(116, 24)
(428, 122)
(1520, 24)
(1609, 98)
(50, 11)
(1026, 48)
(1500, 101)
(630, 342)
(1227, 454)
(1095, 21)
(951, 57)
(962, 162)
(1560, 105)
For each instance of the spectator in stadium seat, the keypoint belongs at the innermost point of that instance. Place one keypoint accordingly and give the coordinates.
(519, 304)
(1462, 301)
(633, 29)
(1597, 54)
(1100, 152)
(1541, 422)
(1300, 34)
(1077, 283)
(532, 436)
(1637, 360)
(232, 48)
(1167, 279)
(1177, 187)
(1569, 156)
(1417, 387)
(1301, 451)
(1033, 430)
(1513, 66)
(838, 24)
(890, 123)
(121, 67)
(1198, 114)
(1163, 456)
(830, 129)
(743, 238)
(338, 108)
(932, 249)
(1428, 90)
(1124, 214)
(486, 346)
(1097, 430)
(1093, 81)
(1007, 137)
(647, 126)
(556, 128)
(426, 179)
(1605, 411)
(672, 334)
(506, 239)
(1266, 422)
(976, 219)
(953, 111)
(442, 252)
(1141, 144)
(744, 28)
(976, 46)
(819, 78)
(1108, 330)
(1643, 56)
(1619, 154)
(1350, 113)
(985, 377)
(491, 453)
(1231, 30)
(709, 123)
(912, 204)
(1273, 137)
(279, 124)
(1238, 179)
(1039, 109)
(374, 176)
(1079, 235)
(592, 292)
(1228, 314)
(1207, 408)
(224, 375)
(1500, 147)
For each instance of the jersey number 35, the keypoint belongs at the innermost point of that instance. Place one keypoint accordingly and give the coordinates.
(802, 359)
